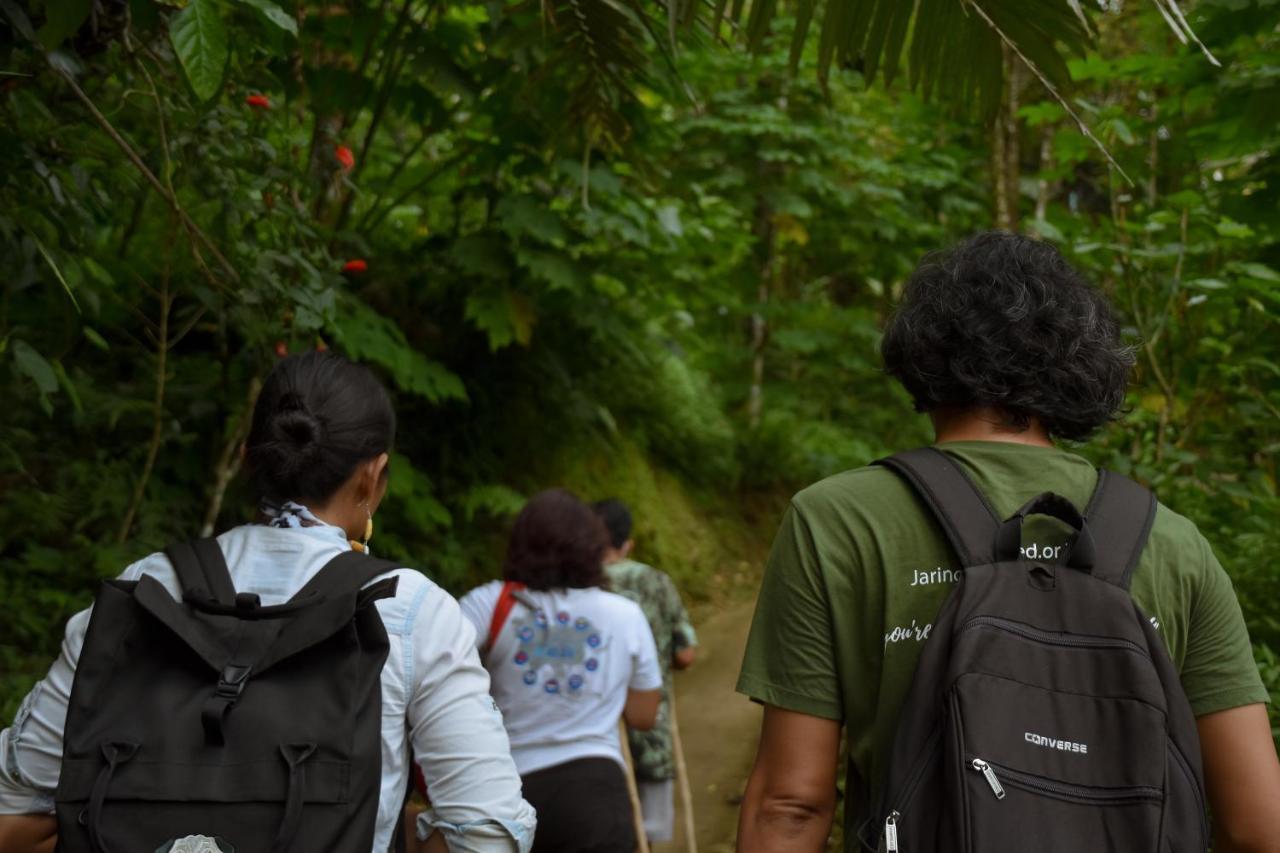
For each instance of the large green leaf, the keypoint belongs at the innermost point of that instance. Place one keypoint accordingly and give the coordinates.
(492, 499)
(555, 268)
(57, 272)
(273, 13)
(505, 316)
(367, 335)
(199, 38)
(18, 19)
(524, 215)
(34, 366)
(415, 496)
(62, 18)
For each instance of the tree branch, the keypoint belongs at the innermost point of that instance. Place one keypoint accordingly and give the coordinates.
(372, 220)
(188, 326)
(192, 229)
(390, 70)
(157, 412)
(229, 460)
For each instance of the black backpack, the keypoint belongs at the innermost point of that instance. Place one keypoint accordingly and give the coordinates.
(1045, 714)
(257, 728)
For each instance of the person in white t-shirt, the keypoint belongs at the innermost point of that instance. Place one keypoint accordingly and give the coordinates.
(566, 660)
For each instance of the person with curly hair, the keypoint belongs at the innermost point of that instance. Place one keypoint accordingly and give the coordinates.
(567, 660)
(1008, 350)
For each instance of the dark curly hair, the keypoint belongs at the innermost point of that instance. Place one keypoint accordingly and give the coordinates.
(556, 542)
(1003, 321)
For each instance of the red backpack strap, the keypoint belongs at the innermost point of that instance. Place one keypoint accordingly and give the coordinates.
(506, 601)
(420, 782)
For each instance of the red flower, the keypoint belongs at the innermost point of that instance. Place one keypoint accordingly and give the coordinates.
(345, 157)
(282, 349)
(356, 266)
(258, 101)
(321, 346)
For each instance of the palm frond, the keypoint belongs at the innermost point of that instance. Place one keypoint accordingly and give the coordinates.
(951, 47)
(1053, 92)
(949, 51)
(604, 50)
(1178, 23)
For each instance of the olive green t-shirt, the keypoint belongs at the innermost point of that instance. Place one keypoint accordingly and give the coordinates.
(859, 569)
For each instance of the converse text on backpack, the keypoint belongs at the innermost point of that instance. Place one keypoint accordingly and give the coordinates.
(1054, 743)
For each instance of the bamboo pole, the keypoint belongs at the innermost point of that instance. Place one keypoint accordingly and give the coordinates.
(637, 815)
(682, 779)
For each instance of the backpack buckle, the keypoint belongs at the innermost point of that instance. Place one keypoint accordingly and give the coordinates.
(230, 685)
(232, 681)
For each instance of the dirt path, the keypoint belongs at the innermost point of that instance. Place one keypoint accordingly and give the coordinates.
(719, 728)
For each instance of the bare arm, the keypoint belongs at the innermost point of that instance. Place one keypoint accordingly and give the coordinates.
(28, 833)
(641, 710)
(684, 639)
(1242, 776)
(791, 795)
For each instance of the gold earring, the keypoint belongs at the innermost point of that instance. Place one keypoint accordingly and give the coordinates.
(363, 546)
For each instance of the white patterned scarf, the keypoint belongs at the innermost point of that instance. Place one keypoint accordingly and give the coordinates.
(290, 514)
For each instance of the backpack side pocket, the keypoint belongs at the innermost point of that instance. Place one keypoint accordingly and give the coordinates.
(1185, 824)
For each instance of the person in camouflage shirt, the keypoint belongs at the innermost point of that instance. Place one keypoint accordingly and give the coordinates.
(652, 751)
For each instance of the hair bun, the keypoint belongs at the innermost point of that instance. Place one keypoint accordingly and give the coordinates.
(317, 417)
(299, 438)
(297, 428)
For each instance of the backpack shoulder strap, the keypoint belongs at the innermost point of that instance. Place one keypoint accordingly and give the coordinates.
(1119, 515)
(501, 610)
(328, 601)
(963, 512)
(345, 574)
(202, 570)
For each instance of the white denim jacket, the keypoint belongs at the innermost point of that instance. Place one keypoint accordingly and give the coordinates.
(435, 699)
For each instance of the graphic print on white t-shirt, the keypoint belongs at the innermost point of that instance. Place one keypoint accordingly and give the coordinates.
(576, 719)
(558, 656)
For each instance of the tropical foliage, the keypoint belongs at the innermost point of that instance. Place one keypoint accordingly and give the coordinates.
(584, 250)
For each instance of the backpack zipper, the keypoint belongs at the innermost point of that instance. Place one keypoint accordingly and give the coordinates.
(985, 769)
(1062, 790)
(891, 832)
(1054, 638)
(908, 791)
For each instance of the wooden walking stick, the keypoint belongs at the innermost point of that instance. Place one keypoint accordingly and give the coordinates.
(682, 779)
(637, 814)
